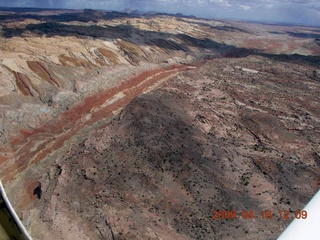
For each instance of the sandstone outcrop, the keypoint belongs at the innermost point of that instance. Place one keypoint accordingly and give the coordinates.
(119, 126)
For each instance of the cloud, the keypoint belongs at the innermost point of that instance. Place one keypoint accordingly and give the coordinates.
(290, 11)
(245, 7)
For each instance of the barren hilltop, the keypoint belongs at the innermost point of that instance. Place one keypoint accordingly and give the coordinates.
(140, 126)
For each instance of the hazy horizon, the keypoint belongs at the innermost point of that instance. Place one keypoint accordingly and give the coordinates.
(270, 11)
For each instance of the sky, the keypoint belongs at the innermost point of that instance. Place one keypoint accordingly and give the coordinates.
(302, 12)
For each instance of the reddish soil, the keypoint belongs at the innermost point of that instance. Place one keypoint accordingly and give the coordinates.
(240, 131)
(57, 131)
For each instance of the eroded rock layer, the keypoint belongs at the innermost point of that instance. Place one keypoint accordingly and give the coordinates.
(138, 127)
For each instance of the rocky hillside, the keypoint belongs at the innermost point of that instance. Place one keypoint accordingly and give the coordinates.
(50, 60)
(117, 126)
(235, 139)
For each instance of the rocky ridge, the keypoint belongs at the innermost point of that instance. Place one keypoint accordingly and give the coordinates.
(234, 132)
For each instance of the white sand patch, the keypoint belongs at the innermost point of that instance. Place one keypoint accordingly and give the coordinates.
(110, 101)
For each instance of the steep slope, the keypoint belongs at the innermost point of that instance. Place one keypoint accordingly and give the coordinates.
(119, 127)
(52, 59)
(220, 137)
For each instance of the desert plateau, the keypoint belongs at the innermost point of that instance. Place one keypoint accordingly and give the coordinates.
(130, 125)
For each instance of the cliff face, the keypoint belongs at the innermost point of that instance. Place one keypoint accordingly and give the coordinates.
(123, 128)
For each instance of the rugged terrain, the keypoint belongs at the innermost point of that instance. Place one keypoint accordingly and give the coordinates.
(124, 126)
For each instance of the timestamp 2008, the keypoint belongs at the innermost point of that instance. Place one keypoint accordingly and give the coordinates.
(263, 214)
